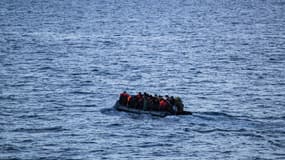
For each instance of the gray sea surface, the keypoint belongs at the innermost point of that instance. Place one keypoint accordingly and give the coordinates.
(64, 63)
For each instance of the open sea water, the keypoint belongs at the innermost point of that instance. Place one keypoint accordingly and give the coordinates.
(63, 64)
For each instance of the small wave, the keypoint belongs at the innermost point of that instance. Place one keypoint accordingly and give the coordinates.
(8, 97)
(85, 105)
(273, 118)
(114, 125)
(279, 3)
(97, 151)
(29, 116)
(9, 148)
(108, 111)
(40, 130)
(95, 70)
(221, 115)
(46, 68)
(151, 144)
(215, 114)
(79, 74)
(81, 92)
(109, 43)
(219, 130)
(10, 158)
(27, 141)
(276, 143)
(5, 114)
(251, 134)
(77, 105)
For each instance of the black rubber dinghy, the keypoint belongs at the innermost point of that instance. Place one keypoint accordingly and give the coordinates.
(120, 107)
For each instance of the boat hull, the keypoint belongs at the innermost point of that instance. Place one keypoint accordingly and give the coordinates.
(120, 107)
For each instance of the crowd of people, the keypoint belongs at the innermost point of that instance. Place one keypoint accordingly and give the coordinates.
(146, 101)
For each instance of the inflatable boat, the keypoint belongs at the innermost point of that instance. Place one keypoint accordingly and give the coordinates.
(124, 108)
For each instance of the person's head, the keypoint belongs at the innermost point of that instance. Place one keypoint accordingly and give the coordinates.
(178, 99)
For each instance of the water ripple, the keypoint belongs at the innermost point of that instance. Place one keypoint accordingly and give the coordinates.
(40, 130)
(64, 63)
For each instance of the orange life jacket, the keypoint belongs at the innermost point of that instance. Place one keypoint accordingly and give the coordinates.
(162, 104)
(129, 99)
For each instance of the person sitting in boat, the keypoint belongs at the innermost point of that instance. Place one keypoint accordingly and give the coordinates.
(124, 98)
(129, 100)
(139, 99)
(132, 101)
(152, 103)
(179, 104)
(163, 105)
(155, 103)
(145, 101)
(172, 100)
(167, 98)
